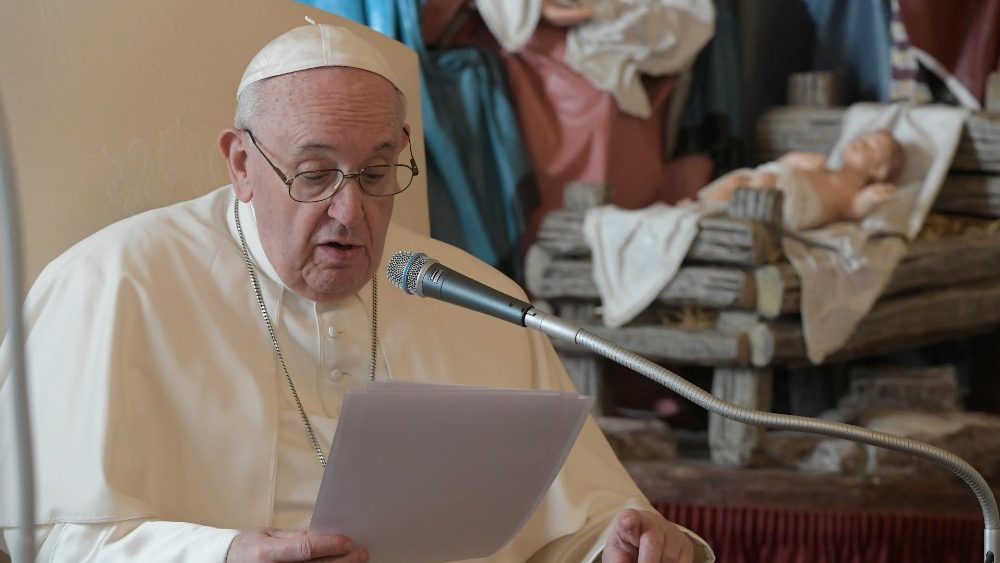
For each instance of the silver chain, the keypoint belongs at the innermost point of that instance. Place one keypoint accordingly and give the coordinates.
(274, 339)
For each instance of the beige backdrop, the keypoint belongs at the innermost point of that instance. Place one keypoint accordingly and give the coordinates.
(114, 106)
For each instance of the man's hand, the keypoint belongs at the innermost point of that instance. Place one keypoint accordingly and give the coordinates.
(646, 537)
(274, 546)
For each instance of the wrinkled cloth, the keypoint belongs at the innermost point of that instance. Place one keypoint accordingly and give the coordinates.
(636, 253)
(627, 39)
(512, 22)
(165, 397)
(623, 40)
(846, 267)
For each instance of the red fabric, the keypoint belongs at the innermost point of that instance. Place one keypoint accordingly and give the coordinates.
(751, 535)
(575, 132)
(963, 35)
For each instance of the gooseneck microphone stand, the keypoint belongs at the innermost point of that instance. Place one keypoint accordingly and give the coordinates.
(557, 328)
(418, 274)
(23, 548)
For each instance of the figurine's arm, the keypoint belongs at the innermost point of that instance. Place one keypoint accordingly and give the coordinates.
(870, 197)
(805, 160)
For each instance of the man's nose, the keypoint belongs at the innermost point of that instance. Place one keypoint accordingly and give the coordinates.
(346, 205)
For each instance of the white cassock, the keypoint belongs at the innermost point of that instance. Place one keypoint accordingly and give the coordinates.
(162, 421)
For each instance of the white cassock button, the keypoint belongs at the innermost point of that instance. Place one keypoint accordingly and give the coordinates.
(336, 375)
(332, 332)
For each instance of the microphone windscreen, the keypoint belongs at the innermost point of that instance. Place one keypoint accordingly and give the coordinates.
(404, 268)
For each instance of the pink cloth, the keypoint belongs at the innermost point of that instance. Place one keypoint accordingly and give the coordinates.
(575, 132)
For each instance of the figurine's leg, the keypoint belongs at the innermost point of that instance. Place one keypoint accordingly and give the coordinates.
(721, 190)
(866, 200)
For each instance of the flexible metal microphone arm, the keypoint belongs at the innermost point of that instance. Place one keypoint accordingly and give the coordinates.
(24, 547)
(557, 328)
(417, 274)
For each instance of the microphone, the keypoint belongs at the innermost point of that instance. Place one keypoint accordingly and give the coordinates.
(417, 274)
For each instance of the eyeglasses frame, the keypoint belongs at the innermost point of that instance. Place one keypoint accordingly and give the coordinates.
(344, 175)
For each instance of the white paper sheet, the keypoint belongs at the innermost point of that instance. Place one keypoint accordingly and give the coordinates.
(422, 472)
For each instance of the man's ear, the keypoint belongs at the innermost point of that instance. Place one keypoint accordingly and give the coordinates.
(231, 143)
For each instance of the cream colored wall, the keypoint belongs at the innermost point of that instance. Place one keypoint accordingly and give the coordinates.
(114, 106)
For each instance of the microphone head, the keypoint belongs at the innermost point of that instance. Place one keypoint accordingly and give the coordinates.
(404, 270)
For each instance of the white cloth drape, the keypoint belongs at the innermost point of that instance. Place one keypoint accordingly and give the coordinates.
(624, 40)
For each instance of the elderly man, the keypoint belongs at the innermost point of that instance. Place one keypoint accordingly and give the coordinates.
(188, 364)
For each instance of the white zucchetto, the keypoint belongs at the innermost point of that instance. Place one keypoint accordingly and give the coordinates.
(316, 46)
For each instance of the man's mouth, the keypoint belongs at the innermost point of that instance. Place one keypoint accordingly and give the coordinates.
(340, 245)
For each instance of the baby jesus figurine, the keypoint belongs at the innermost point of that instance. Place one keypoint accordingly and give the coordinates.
(815, 195)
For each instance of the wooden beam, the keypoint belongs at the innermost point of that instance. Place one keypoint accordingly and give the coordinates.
(777, 288)
(928, 264)
(785, 129)
(561, 233)
(735, 444)
(572, 278)
(721, 240)
(774, 290)
(974, 194)
(673, 344)
(581, 196)
(979, 147)
(764, 205)
(738, 242)
(812, 89)
(893, 324)
(947, 262)
(992, 101)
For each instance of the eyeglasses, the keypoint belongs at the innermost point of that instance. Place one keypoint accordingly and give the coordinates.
(377, 180)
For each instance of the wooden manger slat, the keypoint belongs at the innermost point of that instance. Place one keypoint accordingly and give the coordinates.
(927, 265)
(739, 242)
(785, 129)
(665, 343)
(977, 195)
(774, 289)
(717, 287)
(893, 324)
